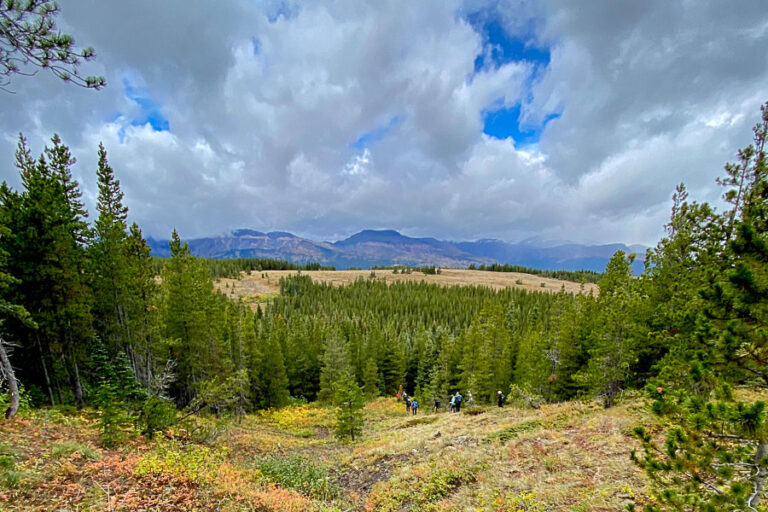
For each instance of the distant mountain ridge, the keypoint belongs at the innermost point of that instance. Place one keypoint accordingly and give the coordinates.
(370, 248)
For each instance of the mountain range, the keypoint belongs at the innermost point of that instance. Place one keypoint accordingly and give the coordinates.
(370, 248)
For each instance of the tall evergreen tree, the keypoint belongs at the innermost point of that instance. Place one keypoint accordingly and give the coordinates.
(336, 367)
(617, 336)
(109, 268)
(716, 450)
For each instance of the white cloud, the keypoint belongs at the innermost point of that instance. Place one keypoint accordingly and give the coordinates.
(267, 134)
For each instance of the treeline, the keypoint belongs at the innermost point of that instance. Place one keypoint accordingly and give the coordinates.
(578, 276)
(407, 269)
(232, 268)
(85, 321)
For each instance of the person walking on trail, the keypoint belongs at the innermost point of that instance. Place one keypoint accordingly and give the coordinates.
(437, 403)
(500, 398)
(453, 403)
(406, 400)
(408, 404)
(415, 406)
(458, 401)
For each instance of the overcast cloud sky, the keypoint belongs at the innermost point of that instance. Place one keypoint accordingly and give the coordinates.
(459, 120)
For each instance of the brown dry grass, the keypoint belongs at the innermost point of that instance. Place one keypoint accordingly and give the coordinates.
(563, 457)
(258, 285)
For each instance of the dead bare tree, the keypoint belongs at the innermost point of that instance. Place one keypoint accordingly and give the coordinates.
(7, 375)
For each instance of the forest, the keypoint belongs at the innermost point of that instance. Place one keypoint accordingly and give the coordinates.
(91, 319)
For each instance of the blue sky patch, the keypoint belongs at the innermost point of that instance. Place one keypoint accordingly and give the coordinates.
(374, 135)
(149, 108)
(505, 122)
(500, 47)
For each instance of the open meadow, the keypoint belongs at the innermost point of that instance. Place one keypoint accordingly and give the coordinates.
(562, 457)
(256, 286)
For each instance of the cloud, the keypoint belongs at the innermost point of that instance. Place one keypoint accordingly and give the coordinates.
(443, 118)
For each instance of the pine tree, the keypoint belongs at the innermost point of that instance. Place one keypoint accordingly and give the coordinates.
(9, 310)
(273, 378)
(615, 341)
(109, 274)
(349, 401)
(141, 311)
(371, 379)
(715, 453)
(336, 367)
(47, 253)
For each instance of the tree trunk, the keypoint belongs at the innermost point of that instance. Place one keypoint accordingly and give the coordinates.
(45, 370)
(13, 386)
(759, 480)
(77, 385)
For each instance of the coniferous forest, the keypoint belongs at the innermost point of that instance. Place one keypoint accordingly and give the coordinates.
(90, 319)
(133, 382)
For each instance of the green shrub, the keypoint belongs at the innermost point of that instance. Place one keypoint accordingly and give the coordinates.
(156, 414)
(67, 448)
(192, 462)
(25, 400)
(512, 432)
(10, 477)
(296, 472)
(116, 423)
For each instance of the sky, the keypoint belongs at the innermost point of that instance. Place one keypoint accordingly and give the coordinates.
(460, 120)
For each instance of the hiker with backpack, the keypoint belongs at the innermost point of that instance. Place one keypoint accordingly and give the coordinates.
(437, 403)
(500, 398)
(453, 403)
(458, 401)
(415, 406)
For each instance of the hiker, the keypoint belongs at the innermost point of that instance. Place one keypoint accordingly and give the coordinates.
(415, 406)
(405, 400)
(458, 401)
(453, 403)
(408, 404)
(500, 398)
(437, 403)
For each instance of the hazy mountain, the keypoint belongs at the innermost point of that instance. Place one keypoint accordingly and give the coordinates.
(388, 247)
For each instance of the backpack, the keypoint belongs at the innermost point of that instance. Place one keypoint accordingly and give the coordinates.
(458, 398)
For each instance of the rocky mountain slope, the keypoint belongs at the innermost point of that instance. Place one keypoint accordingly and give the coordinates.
(388, 247)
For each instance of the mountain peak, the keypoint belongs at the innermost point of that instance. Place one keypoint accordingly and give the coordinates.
(246, 232)
(374, 235)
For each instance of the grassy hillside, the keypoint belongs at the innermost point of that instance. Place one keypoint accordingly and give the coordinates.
(257, 285)
(563, 457)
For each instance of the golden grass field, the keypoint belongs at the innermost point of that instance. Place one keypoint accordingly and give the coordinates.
(257, 286)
